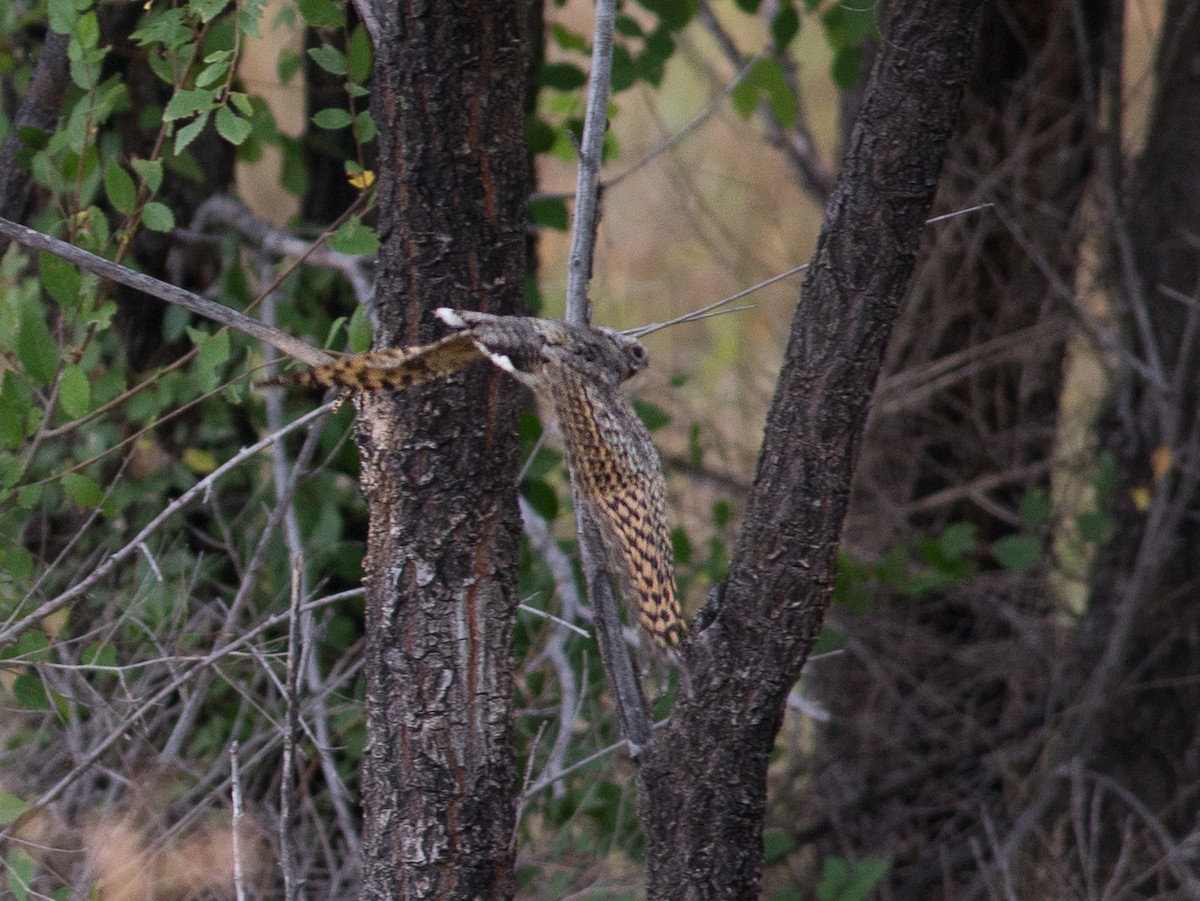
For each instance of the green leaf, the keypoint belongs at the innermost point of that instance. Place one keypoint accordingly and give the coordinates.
(957, 540)
(828, 639)
(843, 882)
(212, 74)
(654, 416)
(354, 238)
(364, 127)
(288, 65)
(100, 653)
(83, 490)
(1095, 528)
(150, 172)
(540, 135)
(358, 333)
(207, 10)
(29, 691)
(624, 70)
(776, 844)
(1105, 481)
(245, 105)
(230, 127)
(549, 212)
(19, 871)
(31, 647)
(75, 392)
(188, 103)
(1017, 551)
(785, 25)
(36, 348)
(626, 26)
(562, 76)
(721, 513)
(322, 13)
(673, 13)
(541, 497)
(190, 132)
(847, 62)
(329, 58)
(18, 562)
(60, 279)
(158, 217)
(214, 352)
(61, 15)
(748, 6)
(681, 546)
(87, 30)
(359, 57)
(119, 188)
(332, 118)
(566, 39)
(166, 26)
(1037, 507)
(11, 807)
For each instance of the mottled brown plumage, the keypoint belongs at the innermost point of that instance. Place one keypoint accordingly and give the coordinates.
(612, 460)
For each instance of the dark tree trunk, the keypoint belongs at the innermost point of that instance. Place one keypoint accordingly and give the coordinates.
(439, 463)
(933, 687)
(704, 782)
(1140, 646)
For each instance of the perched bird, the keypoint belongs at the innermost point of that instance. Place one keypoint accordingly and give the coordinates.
(612, 460)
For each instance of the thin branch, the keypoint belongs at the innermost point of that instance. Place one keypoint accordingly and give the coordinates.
(96, 265)
(235, 779)
(587, 183)
(291, 726)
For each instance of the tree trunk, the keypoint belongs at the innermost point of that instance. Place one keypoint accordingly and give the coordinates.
(440, 463)
(934, 686)
(704, 782)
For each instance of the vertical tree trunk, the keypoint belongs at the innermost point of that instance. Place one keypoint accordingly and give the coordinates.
(439, 463)
(934, 686)
(704, 782)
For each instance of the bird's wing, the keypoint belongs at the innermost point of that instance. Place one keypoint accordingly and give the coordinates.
(615, 465)
(393, 368)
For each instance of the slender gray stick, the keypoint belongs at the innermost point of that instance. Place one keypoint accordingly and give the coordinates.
(287, 861)
(239, 877)
(633, 711)
(587, 182)
(89, 262)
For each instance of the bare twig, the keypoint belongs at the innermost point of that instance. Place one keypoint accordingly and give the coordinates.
(587, 183)
(291, 882)
(235, 781)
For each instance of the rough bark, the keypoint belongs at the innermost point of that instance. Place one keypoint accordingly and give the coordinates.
(704, 782)
(934, 688)
(439, 463)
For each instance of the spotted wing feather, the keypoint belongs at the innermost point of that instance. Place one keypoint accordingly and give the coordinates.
(394, 368)
(616, 467)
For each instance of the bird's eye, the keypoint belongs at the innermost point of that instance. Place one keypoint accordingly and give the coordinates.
(638, 352)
